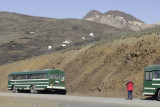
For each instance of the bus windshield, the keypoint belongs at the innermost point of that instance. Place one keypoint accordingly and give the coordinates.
(156, 74)
(56, 76)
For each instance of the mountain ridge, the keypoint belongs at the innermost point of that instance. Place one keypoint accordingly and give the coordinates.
(118, 19)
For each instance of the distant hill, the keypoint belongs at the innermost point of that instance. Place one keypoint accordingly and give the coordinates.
(23, 36)
(118, 19)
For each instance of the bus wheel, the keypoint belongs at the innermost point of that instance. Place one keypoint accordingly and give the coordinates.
(63, 92)
(14, 89)
(33, 90)
(158, 95)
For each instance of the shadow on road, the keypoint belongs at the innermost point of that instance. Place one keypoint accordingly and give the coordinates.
(46, 92)
(150, 98)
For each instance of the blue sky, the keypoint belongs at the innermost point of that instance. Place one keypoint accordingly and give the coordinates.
(145, 10)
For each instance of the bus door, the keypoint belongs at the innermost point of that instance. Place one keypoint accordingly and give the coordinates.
(148, 80)
(156, 79)
(151, 82)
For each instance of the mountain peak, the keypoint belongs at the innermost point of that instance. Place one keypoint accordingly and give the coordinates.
(92, 13)
(126, 16)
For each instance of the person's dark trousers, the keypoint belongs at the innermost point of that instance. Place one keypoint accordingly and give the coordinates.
(129, 95)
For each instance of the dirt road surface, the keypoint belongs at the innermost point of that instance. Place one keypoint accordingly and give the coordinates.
(51, 100)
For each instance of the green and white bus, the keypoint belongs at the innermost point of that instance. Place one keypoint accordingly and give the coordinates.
(152, 81)
(35, 81)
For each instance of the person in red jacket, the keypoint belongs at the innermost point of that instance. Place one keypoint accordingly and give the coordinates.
(130, 89)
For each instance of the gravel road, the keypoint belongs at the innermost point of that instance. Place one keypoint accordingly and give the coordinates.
(52, 100)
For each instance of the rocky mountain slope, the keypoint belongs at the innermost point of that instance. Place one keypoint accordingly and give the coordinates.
(23, 36)
(99, 69)
(118, 19)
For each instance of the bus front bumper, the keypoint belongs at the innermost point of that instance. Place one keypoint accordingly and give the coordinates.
(147, 94)
(55, 87)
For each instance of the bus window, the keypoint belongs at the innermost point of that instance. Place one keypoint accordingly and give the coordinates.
(40, 76)
(56, 76)
(28, 76)
(51, 76)
(148, 75)
(13, 77)
(25, 76)
(156, 74)
(44, 76)
(32, 76)
(35, 76)
(16, 77)
(22, 76)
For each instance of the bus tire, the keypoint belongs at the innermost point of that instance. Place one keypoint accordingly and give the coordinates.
(33, 90)
(64, 92)
(158, 95)
(14, 89)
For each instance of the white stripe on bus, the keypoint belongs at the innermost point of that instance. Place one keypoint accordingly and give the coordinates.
(28, 79)
(9, 85)
(27, 88)
(155, 84)
(156, 79)
(41, 85)
(149, 88)
(29, 85)
(148, 93)
(29, 82)
(22, 85)
(39, 88)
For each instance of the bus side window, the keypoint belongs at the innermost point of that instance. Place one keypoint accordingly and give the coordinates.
(25, 76)
(19, 77)
(36, 76)
(13, 77)
(22, 76)
(44, 76)
(39, 76)
(156, 74)
(32, 76)
(28, 76)
(148, 75)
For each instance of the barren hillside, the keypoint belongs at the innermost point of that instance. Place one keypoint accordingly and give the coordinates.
(100, 69)
(23, 36)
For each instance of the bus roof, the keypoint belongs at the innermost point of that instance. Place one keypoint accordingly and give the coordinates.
(34, 72)
(152, 67)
